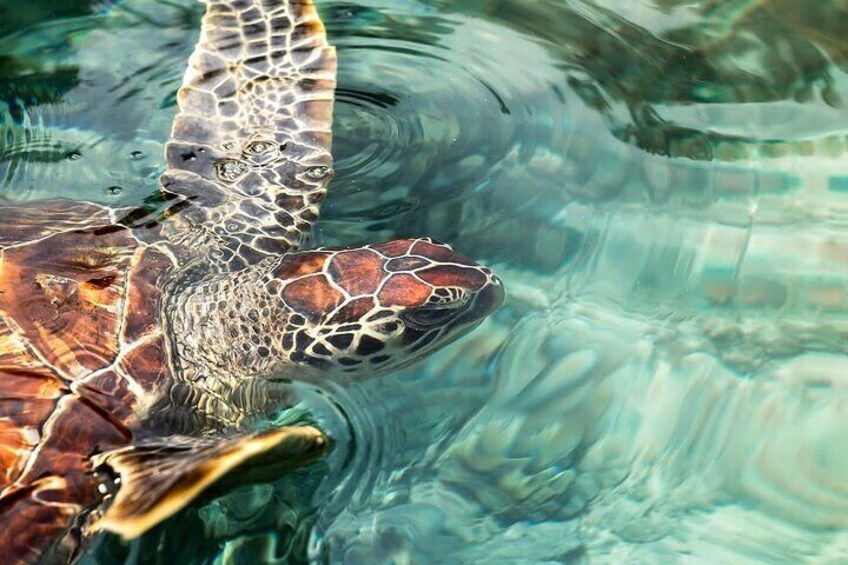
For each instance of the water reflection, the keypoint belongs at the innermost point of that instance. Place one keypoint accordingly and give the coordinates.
(430, 116)
(662, 187)
(670, 76)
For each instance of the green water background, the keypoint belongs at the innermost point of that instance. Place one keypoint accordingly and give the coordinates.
(661, 184)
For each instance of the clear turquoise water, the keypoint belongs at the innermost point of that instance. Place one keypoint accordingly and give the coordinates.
(661, 184)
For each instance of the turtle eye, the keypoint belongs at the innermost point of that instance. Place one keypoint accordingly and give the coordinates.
(429, 317)
(442, 306)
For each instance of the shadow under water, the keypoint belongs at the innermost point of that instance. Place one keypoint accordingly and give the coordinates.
(663, 187)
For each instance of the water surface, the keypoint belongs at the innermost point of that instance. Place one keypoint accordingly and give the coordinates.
(662, 185)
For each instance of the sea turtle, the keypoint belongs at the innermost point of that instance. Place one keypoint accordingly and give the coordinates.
(139, 357)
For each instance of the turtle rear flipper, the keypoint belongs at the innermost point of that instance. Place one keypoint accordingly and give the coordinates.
(161, 477)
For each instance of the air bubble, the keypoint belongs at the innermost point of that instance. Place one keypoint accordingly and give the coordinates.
(137, 155)
(74, 156)
(114, 190)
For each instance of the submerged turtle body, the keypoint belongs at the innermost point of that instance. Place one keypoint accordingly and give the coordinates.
(134, 353)
(81, 353)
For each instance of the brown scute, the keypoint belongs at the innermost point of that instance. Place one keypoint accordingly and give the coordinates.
(48, 293)
(313, 297)
(299, 264)
(358, 272)
(146, 364)
(59, 483)
(29, 383)
(353, 310)
(404, 290)
(110, 393)
(26, 523)
(25, 412)
(145, 289)
(79, 430)
(28, 395)
(401, 264)
(452, 275)
(394, 248)
(436, 252)
(16, 443)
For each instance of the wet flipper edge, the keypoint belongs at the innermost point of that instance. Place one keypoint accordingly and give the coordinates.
(159, 478)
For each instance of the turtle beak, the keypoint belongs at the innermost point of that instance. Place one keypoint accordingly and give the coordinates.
(489, 298)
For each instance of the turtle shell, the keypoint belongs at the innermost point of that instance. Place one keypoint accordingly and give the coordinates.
(81, 354)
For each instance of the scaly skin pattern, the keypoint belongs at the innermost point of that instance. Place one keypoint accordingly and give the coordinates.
(250, 148)
(111, 335)
(325, 314)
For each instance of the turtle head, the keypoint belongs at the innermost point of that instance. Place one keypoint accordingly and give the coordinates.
(373, 309)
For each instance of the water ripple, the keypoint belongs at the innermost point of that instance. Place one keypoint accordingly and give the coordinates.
(428, 121)
(55, 141)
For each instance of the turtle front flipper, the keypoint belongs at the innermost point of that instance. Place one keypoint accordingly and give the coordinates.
(249, 159)
(156, 479)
